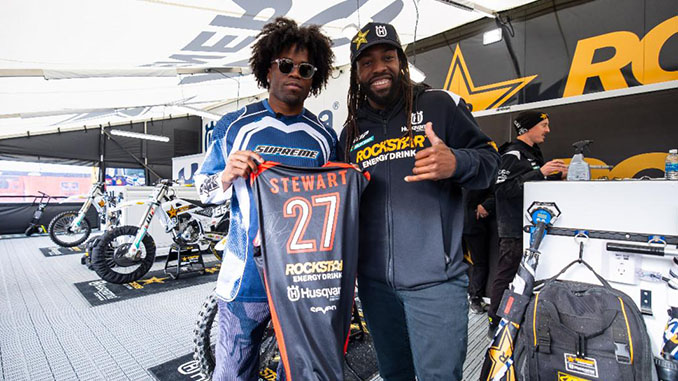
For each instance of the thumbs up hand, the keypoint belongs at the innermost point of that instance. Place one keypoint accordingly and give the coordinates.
(433, 163)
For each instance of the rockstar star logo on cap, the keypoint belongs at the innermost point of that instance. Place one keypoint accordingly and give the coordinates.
(360, 39)
(543, 116)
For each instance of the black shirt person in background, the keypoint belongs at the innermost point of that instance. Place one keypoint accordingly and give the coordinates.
(521, 161)
(480, 234)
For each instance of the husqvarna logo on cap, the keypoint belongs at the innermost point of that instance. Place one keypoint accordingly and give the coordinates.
(373, 34)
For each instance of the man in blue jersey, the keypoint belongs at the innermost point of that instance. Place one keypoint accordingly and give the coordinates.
(290, 62)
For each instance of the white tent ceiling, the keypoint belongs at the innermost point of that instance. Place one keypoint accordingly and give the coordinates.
(142, 43)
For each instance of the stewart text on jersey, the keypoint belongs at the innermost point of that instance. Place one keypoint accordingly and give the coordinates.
(300, 140)
(411, 232)
(308, 221)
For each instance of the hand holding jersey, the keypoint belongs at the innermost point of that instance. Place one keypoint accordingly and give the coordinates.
(239, 165)
(436, 162)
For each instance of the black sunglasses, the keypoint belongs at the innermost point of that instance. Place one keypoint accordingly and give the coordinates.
(286, 65)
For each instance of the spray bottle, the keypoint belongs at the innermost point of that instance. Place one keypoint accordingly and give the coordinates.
(579, 169)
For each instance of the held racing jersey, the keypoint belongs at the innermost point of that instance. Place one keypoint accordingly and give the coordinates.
(410, 233)
(300, 140)
(520, 162)
(308, 224)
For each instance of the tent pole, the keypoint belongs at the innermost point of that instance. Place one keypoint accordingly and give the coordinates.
(102, 150)
(147, 173)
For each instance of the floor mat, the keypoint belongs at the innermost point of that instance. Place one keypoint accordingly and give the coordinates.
(98, 292)
(55, 251)
(185, 368)
(360, 365)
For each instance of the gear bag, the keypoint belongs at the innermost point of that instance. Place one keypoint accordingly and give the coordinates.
(577, 332)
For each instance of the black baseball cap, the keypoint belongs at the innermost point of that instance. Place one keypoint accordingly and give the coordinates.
(372, 34)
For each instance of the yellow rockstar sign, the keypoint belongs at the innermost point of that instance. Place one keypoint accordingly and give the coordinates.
(484, 97)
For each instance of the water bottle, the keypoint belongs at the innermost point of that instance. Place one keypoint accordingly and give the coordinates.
(671, 167)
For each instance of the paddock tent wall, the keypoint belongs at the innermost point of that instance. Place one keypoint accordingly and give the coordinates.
(86, 146)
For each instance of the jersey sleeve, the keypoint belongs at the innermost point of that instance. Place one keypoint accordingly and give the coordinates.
(477, 157)
(208, 177)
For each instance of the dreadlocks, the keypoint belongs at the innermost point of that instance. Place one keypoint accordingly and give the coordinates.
(357, 98)
(282, 34)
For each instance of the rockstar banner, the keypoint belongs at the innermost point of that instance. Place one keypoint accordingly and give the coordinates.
(552, 51)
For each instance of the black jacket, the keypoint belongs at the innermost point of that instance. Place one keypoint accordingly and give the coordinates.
(410, 233)
(520, 162)
(473, 198)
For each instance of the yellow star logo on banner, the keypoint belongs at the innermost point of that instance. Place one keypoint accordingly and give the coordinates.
(153, 280)
(360, 39)
(483, 97)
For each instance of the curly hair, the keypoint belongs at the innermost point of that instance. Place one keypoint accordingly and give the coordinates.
(280, 35)
(357, 98)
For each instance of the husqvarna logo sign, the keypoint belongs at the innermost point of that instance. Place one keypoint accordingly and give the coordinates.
(293, 293)
(381, 31)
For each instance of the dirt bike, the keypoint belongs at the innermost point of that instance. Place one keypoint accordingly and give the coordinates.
(126, 253)
(35, 226)
(71, 228)
(205, 339)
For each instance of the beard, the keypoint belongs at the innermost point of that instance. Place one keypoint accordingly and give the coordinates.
(383, 99)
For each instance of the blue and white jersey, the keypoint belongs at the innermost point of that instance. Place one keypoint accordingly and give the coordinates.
(300, 140)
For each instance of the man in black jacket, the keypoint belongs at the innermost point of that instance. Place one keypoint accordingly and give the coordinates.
(420, 147)
(521, 161)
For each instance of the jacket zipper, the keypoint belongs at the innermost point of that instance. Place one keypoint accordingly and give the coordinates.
(389, 258)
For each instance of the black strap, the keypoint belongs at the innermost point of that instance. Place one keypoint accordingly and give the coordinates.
(543, 334)
(622, 341)
(583, 262)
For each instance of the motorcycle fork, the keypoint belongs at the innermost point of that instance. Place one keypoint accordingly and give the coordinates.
(81, 213)
(141, 233)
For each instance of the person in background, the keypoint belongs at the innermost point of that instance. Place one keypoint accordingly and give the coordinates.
(420, 147)
(480, 232)
(521, 161)
(290, 62)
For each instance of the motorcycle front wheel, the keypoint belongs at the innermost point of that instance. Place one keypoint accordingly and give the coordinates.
(110, 259)
(61, 233)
